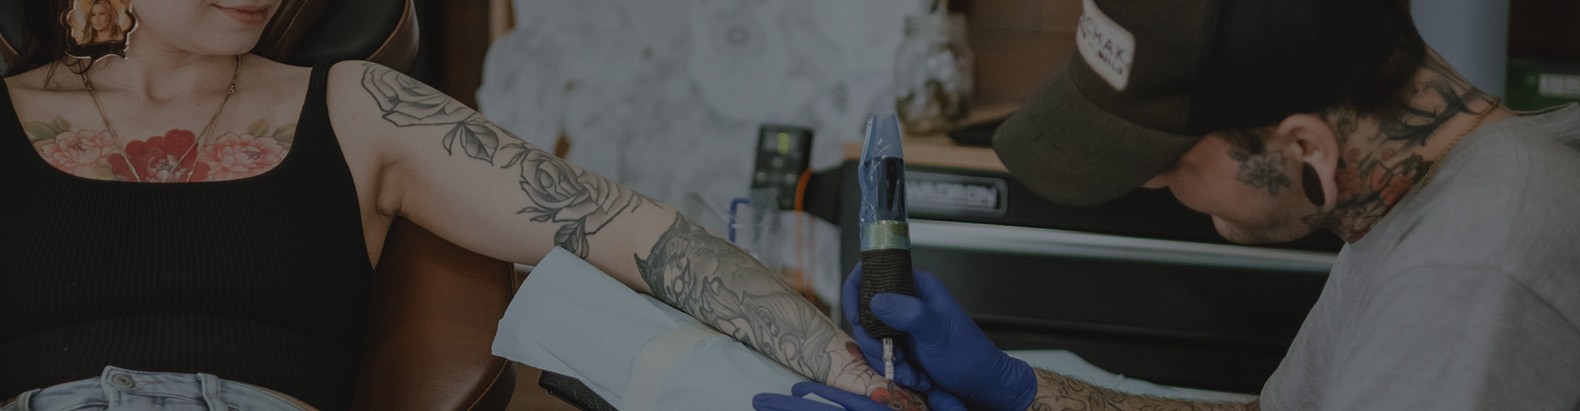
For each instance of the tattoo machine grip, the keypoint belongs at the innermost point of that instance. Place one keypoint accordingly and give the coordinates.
(885, 233)
(883, 271)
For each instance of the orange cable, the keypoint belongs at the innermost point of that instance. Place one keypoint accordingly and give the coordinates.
(800, 203)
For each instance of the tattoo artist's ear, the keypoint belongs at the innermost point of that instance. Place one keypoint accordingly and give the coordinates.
(1317, 147)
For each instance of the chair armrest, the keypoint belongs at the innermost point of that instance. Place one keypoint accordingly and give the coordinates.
(436, 308)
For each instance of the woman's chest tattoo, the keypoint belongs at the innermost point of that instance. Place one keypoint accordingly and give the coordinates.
(179, 155)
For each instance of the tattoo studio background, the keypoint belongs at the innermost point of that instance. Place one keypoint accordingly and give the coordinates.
(666, 96)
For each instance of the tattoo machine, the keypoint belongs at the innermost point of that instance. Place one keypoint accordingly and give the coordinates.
(885, 237)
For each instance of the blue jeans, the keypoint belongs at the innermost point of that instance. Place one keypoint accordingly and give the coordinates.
(119, 389)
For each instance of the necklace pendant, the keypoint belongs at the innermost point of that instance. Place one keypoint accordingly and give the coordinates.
(98, 28)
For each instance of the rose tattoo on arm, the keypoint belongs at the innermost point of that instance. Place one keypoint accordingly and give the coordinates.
(578, 202)
(687, 267)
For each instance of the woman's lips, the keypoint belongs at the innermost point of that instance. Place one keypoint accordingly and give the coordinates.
(247, 15)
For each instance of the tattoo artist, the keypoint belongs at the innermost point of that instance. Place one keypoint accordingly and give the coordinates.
(1458, 286)
(221, 253)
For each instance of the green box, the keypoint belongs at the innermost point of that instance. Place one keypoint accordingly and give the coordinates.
(1537, 84)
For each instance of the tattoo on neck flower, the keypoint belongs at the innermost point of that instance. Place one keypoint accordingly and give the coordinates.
(1415, 123)
(1379, 167)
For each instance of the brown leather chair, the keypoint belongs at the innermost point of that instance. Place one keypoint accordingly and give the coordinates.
(436, 305)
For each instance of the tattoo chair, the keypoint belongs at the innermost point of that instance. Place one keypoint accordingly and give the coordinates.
(436, 305)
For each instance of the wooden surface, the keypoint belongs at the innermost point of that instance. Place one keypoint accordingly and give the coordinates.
(1017, 44)
(466, 39)
(940, 151)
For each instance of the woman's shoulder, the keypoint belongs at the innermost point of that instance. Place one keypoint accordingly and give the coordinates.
(46, 77)
(347, 96)
(351, 72)
(43, 89)
(367, 74)
(366, 91)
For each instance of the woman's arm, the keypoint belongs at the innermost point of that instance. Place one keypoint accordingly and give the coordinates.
(452, 171)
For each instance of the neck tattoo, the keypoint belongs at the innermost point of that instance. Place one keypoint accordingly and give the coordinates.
(1431, 171)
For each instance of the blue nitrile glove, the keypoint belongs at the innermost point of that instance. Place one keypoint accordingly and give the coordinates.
(936, 400)
(944, 349)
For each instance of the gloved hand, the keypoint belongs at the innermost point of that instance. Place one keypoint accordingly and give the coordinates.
(936, 400)
(944, 350)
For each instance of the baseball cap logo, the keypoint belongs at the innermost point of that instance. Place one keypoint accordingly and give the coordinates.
(1105, 45)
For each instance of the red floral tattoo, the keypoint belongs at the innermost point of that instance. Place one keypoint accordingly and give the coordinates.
(897, 399)
(160, 159)
(171, 157)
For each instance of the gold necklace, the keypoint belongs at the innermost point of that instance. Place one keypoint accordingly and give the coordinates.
(1432, 170)
(200, 143)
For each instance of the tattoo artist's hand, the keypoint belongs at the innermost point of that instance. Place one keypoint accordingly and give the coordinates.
(936, 400)
(944, 349)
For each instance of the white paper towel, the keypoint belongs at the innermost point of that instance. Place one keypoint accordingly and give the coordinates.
(632, 350)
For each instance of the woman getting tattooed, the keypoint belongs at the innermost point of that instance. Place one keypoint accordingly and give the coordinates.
(198, 216)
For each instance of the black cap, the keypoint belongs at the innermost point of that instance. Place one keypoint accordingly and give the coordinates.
(1149, 78)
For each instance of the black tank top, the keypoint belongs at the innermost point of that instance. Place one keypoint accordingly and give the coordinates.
(262, 280)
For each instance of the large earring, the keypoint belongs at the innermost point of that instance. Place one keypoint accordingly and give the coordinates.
(1313, 185)
(87, 40)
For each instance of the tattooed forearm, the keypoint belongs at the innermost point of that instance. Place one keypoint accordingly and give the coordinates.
(713, 281)
(688, 268)
(1058, 392)
(709, 278)
(578, 202)
(897, 398)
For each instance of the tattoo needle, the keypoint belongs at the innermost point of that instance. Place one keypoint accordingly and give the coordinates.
(885, 236)
(888, 359)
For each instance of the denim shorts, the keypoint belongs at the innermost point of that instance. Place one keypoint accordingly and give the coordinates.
(119, 389)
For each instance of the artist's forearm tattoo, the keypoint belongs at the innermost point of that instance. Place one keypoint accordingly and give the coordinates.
(707, 277)
(1057, 393)
(578, 202)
